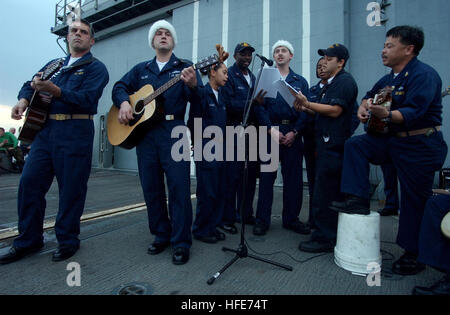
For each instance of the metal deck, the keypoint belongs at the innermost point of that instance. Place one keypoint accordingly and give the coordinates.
(114, 244)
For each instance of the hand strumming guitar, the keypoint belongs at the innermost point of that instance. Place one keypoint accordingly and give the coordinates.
(379, 110)
(18, 110)
(125, 113)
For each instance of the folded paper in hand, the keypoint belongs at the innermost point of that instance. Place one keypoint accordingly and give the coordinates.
(268, 78)
(272, 82)
(285, 89)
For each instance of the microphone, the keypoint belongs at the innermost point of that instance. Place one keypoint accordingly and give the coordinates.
(267, 61)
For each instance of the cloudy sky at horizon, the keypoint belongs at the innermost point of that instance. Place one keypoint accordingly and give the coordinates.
(27, 45)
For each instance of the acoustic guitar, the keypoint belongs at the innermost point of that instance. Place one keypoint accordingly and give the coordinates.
(146, 109)
(39, 106)
(377, 125)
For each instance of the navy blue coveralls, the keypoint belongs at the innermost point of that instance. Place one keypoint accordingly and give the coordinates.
(434, 247)
(310, 147)
(211, 176)
(277, 113)
(330, 135)
(63, 148)
(235, 93)
(154, 151)
(390, 182)
(390, 186)
(417, 95)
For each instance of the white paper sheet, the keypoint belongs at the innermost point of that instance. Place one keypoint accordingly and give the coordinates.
(283, 88)
(267, 81)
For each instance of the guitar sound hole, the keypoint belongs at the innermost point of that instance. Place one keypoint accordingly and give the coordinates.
(139, 107)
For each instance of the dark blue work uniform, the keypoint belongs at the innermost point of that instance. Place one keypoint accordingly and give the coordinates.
(434, 247)
(309, 143)
(63, 148)
(211, 176)
(390, 180)
(330, 135)
(390, 186)
(309, 148)
(277, 113)
(417, 95)
(154, 151)
(235, 93)
(355, 120)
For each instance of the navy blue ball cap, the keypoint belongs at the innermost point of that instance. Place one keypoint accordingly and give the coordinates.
(243, 46)
(335, 50)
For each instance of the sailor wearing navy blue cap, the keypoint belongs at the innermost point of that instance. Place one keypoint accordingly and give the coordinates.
(333, 116)
(414, 143)
(236, 95)
(275, 112)
(171, 225)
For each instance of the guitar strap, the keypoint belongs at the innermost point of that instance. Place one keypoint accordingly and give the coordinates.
(74, 65)
(77, 64)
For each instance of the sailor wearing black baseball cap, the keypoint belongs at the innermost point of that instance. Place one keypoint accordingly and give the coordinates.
(333, 120)
(243, 46)
(235, 94)
(335, 50)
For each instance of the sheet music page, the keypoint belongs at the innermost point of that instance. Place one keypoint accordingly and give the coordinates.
(283, 88)
(267, 81)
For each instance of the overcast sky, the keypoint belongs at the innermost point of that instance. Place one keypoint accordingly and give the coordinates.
(27, 45)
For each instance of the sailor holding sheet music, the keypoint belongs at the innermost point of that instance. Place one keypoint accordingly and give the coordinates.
(333, 120)
(284, 125)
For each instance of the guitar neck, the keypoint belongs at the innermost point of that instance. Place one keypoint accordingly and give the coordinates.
(200, 65)
(162, 89)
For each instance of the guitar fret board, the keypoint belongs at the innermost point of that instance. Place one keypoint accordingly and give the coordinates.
(162, 89)
(202, 64)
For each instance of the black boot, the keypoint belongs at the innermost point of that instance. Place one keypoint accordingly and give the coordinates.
(387, 212)
(352, 205)
(407, 265)
(442, 287)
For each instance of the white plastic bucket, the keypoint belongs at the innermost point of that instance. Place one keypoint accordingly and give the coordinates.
(445, 225)
(358, 242)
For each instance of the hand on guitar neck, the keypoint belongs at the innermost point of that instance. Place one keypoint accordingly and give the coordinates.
(446, 92)
(45, 85)
(189, 77)
(378, 110)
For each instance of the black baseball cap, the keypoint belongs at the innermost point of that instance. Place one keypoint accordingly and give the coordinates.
(335, 50)
(242, 46)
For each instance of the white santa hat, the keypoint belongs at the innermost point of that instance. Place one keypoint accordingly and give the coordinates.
(283, 43)
(161, 24)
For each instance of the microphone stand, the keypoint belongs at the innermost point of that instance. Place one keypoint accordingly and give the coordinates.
(242, 251)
